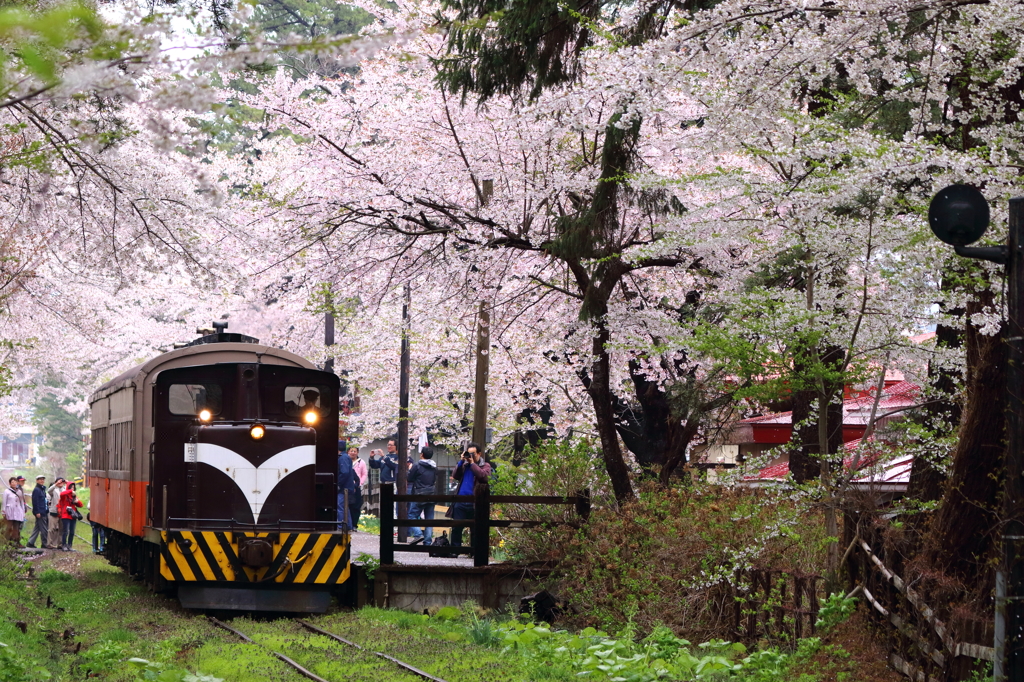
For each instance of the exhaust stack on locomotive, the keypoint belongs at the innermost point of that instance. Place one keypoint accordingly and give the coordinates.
(212, 468)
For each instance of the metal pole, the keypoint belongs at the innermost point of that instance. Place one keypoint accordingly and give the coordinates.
(1013, 493)
(403, 418)
(483, 358)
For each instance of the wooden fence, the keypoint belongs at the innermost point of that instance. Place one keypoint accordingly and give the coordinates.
(480, 526)
(923, 645)
(774, 605)
(371, 498)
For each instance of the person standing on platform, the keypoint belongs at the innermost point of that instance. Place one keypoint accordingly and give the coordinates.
(53, 498)
(388, 464)
(360, 473)
(471, 471)
(347, 481)
(39, 513)
(422, 479)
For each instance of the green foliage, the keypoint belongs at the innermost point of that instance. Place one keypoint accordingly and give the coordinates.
(983, 674)
(775, 353)
(673, 556)
(103, 657)
(40, 41)
(448, 613)
(370, 564)
(835, 609)
(15, 669)
(62, 433)
(484, 631)
(309, 18)
(506, 47)
(554, 467)
(369, 524)
(593, 654)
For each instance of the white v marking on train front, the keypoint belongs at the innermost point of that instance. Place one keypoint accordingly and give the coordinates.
(256, 483)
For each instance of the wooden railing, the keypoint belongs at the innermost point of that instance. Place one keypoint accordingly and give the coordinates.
(371, 498)
(480, 526)
(774, 605)
(924, 645)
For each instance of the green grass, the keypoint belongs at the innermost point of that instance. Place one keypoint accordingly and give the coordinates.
(98, 619)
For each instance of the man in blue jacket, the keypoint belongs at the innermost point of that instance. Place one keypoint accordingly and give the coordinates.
(39, 512)
(472, 471)
(388, 464)
(347, 480)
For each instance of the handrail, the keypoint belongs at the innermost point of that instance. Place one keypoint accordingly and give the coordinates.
(480, 526)
(953, 647)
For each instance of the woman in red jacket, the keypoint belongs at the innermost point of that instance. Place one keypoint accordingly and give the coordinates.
(68, 501)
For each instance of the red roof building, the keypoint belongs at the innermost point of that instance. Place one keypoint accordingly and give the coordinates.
(755, 436)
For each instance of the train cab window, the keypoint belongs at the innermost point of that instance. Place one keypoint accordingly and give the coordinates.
(301, 399)
(191, 398)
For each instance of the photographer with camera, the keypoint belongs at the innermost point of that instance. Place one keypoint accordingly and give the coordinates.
(387, 463)
(471, 471)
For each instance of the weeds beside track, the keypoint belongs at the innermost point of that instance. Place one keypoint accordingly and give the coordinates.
(302, 669)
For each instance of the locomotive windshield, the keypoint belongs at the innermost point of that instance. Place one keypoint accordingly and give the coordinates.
(301, 399)
(191, 398)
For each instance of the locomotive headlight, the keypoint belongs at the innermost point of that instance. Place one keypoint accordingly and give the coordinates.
(257, 431)
(310, 417)
(205, 415)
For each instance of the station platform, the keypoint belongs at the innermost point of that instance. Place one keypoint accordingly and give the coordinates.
(367, 543)
(418, 582)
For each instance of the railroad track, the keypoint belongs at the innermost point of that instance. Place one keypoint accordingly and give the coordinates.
(337, 638)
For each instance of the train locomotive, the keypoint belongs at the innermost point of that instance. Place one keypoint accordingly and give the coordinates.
(212, 469)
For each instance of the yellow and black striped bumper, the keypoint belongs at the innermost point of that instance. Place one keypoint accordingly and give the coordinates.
(298, 558)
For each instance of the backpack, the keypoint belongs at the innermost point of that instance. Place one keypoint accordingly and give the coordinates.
(440, 541)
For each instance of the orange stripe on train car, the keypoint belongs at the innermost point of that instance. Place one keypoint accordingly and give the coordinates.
(120, 505)
(138, 492)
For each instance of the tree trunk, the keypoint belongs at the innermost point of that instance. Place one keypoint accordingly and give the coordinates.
(601, 395)
(926, 480)
(804, 438)
(676, 455)
(962, 534)
(806, 455)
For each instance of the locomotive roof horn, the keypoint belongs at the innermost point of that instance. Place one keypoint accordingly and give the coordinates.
(216, 333)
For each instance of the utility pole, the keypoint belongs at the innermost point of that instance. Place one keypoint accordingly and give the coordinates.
(1013, 494)
(403, 417)
(329, 339)
(483, 350)
(483, 361)
(959, 215)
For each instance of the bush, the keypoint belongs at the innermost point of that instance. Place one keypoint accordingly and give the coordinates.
(555, 467)
(673, 556)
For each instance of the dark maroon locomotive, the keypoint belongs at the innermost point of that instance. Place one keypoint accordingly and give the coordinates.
(212, 468)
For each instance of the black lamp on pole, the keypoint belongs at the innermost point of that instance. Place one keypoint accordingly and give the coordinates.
(959, 215)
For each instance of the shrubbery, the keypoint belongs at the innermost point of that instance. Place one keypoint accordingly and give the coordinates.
(554, 654)
(672, 556)
(555, 467)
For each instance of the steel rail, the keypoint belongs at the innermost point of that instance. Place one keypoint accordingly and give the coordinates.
(278, 655)
(338, 638)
